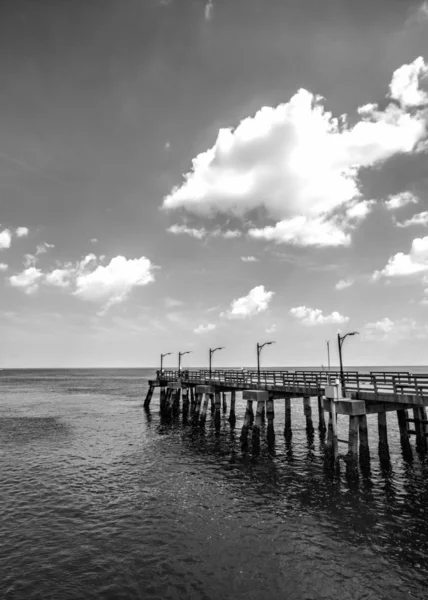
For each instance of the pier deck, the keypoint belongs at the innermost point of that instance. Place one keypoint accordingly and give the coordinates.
(375, 392)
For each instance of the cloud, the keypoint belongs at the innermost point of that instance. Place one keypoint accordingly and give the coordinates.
(407, 264)
(401, 199)
(301, 165)
(342, 284)
(3, 267)
(94, 240)
(113, 283)
(5, 239)
(44, 247)
(314, 316)
(172, 302)
(183, 229)
(209, 10)
(404, 86)
(418, 219)
(204, 328)
(271, 329)
(21, 231)
(256, 301)
(89, 280)
(388, 330)
(249, 259)
(28, 280)
(228, 234)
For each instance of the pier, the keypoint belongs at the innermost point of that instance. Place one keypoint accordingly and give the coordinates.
(350, 393)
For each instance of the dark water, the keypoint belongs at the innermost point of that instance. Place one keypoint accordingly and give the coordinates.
(101, 500)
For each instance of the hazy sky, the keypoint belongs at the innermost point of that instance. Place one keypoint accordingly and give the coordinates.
(183, 174)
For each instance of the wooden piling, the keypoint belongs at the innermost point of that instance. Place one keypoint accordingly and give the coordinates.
(169, 401)
(247, 421)
(363, 434)
(353, 437)
(224, 402)
(287, 428)
(204, 408)
(185, 399)
(270, 414)
(192, 399)
(149, 396)
(232, 416)
(402, 424)
(258, 423)
(162, 396)
(198, 401)
(382, 428)
(217, 415)
(419, 428)
(332, 431)
(176, 401)
(307, 408)
(321, 415)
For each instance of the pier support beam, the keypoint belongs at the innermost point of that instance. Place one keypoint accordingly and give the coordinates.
(204, 408)
(419, 428)
(404, 433)
(232, 416)
(149, 396)
(353, 437)
(270, 414)
(185, 399)
(307, 408)
(382, 428)
(217, 414)
(224, 402)
(364, 437)
(162, 397)
(257, 424)
(287, 409)
(192, 400)
(321, 414)
(247, 422)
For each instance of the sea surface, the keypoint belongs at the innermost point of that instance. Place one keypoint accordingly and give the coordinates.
(101, 500)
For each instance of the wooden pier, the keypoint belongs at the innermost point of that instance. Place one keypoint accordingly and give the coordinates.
(361, 394)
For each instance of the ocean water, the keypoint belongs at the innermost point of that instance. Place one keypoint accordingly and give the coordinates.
(102, 500)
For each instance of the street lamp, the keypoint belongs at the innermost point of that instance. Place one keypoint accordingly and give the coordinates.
(180, 354)
(162, 357)
(259, 349)
(211, 354)
(340, 340)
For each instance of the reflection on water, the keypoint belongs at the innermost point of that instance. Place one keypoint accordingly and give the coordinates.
(101, 499)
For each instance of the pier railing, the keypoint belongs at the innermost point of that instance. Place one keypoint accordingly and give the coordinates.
(379, 382)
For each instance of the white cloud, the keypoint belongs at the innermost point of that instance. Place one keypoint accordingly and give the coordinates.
(90, 281)
(342, 284)
(5, 239)
(271, 329)
(407, 264)
(209, 9)
(301, 165)
(402, 199)
(59, 277)
(21, 231)
(418, 219)
(44, 247)
(183, 229)
(3, 267)
(314, 316)
(228, 234)
(28, 280)
(404, 86)
(256, 301)
(387, 329)
(94, 240)
(29, 260)
(204, 328)
(249, 259)
(112, 284)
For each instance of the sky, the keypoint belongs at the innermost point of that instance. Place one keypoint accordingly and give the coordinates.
(178, 175)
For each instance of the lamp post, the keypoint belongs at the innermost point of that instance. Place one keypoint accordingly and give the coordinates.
(180, 354)
(212, 350)
(328, 360)
(259, 349)
(162, 357)
(340, 340)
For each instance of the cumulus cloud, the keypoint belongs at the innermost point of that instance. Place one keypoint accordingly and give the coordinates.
(402, 199)
(172, 302)
(418, 219)
(271, 329)
(44, 247)
(28, 280)
(416, 261)
(404, 86)
(256, 301)
(301, 165)
(342, 284)
(209, 10)
(314, 316)
(91, 281)
(249, 259)
(5, 239)
(183, 229)
(3, 267)
(22, 231)
(204, 328)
